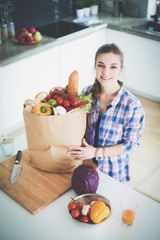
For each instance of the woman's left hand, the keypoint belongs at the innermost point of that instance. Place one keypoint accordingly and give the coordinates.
(82, 153)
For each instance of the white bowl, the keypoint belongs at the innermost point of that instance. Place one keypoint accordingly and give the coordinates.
(87, 199)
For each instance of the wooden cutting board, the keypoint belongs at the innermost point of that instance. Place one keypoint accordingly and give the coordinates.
(33, 189)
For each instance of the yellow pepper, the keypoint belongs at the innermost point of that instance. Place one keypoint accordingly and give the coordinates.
(42, 109)
(99, 211)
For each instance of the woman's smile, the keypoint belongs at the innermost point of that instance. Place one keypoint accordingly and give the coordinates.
(104, 78)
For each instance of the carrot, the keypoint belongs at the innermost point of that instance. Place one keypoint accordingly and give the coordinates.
(73, 83)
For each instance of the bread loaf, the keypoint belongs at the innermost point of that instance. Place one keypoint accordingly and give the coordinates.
(73, 83)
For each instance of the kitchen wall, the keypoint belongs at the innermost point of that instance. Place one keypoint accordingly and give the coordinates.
(40, 12)
(35, 12)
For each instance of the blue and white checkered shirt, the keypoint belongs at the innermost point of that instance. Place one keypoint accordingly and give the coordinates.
(122, 123)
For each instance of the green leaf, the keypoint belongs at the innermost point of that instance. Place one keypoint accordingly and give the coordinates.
(85, 108)
(81, 98)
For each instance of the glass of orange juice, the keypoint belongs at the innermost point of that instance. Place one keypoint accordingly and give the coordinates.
(128, 211)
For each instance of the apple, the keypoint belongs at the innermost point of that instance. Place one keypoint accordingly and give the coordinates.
(24, 32)
(29, 38)
(37, 36)
(32, 30)
(21, 39)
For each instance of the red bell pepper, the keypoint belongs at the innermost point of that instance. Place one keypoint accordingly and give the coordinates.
(79, 106)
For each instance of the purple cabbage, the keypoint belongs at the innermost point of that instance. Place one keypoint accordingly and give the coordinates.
(85, 179)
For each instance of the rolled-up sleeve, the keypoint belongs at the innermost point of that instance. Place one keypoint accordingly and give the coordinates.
(135, 120)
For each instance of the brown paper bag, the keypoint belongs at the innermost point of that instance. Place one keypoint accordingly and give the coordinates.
(49, 138)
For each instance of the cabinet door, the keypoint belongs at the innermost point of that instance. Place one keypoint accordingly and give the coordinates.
(141, 63)
(24, 79)
(142, 66)
(79, 55)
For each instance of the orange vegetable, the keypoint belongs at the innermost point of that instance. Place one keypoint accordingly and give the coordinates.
(42, 109)
(99, 211)
(35, 108)
(73, 83)
(45, 111)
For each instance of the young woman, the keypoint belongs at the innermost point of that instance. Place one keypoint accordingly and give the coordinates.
(116, 121)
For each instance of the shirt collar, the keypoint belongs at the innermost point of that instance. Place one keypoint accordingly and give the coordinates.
(117, 98)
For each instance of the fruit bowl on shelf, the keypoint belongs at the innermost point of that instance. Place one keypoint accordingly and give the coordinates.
(25, 43)
(27, 36)
(89, 199)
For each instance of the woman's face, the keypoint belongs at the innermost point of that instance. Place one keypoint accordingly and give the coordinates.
(108, 68)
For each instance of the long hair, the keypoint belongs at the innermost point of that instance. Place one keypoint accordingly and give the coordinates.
(106, 48)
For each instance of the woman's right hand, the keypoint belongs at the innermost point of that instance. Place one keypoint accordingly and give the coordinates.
(82, 153)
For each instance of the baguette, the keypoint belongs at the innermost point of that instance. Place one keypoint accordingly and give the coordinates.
(73, 83)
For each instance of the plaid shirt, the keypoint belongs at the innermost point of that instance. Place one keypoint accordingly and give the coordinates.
(122, 123)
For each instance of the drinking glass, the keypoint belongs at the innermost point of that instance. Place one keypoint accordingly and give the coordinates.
(128, 211)
(7, 145)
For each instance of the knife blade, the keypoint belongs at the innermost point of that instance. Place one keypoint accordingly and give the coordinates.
(16, 168)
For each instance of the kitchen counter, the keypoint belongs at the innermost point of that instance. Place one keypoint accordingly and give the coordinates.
(54, 222)
(11, 52)
(124, 24)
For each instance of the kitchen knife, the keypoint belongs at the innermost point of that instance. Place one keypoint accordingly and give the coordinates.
(16, 168)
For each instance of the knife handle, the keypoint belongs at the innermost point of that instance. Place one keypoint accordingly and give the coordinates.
(19, 153)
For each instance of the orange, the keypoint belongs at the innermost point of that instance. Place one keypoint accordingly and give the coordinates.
(128, 216)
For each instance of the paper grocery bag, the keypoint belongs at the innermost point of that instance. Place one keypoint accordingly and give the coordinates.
(49, 138)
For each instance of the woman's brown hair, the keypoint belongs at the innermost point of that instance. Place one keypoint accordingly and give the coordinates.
(106, 48)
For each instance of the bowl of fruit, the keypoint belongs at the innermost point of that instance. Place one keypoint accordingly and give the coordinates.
(89, 210)
(27, 36)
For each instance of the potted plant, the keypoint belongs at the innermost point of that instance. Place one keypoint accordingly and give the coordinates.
(87, 8)
(94, 7)
(80, 8)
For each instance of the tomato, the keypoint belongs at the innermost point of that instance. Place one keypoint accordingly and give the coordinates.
(79, 205)
(55, 97)
(71, 97)
(66, 103)
(59, 100)
(84, 219)
(48, 97)
(71, 206)
(75, 102)
(75, 213)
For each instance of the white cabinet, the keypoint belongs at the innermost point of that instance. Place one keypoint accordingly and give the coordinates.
(79, 55)
(142, 61)
(22, 80)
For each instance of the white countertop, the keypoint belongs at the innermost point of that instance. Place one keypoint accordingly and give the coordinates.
(54, 222)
